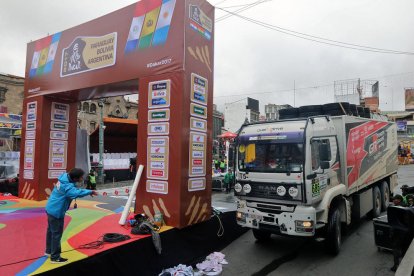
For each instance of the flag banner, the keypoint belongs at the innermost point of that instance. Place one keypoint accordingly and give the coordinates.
(200, 22)
(88, 53)
(44, 55)
(150, 24)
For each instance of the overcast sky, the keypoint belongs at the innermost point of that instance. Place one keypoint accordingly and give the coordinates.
(250, 59)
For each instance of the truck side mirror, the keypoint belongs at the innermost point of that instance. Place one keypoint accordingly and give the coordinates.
(324, 152)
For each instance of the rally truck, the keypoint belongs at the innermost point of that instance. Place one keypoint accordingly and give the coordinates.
(312, 176)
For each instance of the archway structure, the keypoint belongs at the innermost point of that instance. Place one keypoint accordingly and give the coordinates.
(160, 49)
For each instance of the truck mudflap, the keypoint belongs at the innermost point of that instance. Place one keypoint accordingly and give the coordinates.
(300, 222)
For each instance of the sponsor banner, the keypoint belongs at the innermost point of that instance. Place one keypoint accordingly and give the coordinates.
(54, 174)
(159, 93)
(199, 86)
(88, 53)
(31, 114)
(158, 150)
(198, 124)
(59, 126)
(159, 115)
(31, 125)
(30, 134)
(28, 174)
(197, 158)
(196, 184)
(57, 154)
(58, 135)
(159, 128)
(200, 22)
(158, 165)
(401, 125)
(158, 187)
(29, 154)
(198, 111)
(60, 112)
(157, 157)
(198, 154)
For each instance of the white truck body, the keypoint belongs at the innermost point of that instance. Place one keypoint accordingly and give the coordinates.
(281, 188)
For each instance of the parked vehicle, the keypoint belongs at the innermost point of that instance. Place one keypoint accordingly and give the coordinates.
(311, 176)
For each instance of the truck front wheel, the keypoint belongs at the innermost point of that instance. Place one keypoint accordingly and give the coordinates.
(261, 235)
(333, 238)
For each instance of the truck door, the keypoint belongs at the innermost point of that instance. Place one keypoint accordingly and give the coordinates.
(326, 178)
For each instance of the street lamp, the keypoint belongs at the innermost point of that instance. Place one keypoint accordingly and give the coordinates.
(101, 143)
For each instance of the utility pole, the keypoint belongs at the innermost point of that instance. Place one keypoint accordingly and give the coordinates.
(294, 93)
(101, 143)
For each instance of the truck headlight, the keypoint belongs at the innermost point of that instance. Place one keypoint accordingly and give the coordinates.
(304, 225)
(238, 188)
(293, 191)
(281, 191)
(247, 188)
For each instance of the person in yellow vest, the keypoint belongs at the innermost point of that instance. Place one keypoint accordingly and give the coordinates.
(222, 165)
(91, 181)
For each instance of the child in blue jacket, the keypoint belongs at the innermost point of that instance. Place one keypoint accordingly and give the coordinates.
(59, 202)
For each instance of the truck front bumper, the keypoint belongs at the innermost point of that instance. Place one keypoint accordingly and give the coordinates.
(299, 222)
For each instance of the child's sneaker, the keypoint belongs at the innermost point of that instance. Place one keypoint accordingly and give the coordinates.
(59, 261)
(47, 254)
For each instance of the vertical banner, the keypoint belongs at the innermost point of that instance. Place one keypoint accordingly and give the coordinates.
(198, 147)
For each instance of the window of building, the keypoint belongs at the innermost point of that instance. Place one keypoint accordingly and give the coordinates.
(93, 125)
(85, 107)
(79, 106)
(93, 108)
(3, 91)
(79, 123)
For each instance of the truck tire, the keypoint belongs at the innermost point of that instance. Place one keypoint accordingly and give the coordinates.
(261, 235)
(333, 237)
(385, 195)
(376, 202)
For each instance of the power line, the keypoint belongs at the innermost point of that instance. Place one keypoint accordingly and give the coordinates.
(248, 6)
(220, 2)
(303, 88)
(315, 38)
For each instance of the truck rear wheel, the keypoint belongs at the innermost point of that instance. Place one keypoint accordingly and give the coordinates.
(385, 195)
(376, 202)
(333, 237)
(261, 235)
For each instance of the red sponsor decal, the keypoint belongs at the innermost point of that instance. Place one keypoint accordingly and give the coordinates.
(157, 173)
(355, 148)
(197, 162)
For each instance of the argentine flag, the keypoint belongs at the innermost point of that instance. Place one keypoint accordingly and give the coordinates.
(164, 21)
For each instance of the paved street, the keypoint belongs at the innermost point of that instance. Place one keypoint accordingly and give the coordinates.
(289, 256)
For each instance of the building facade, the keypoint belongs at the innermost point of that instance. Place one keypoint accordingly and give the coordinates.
(11, 94)
(218, 122)
(272, 111)
(11, 102)
(240, 112)
(115, 107)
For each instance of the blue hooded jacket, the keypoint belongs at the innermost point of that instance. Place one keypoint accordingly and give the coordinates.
(62, 195)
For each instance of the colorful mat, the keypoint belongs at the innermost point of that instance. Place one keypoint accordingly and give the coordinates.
(23, 226)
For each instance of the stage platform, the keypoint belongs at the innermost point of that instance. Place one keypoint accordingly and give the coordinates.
(23, 226)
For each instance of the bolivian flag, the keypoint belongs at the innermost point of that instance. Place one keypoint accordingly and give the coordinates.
(44, 55)
(150, 25)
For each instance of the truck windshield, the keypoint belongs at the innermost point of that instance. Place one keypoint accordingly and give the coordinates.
(270, 157)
